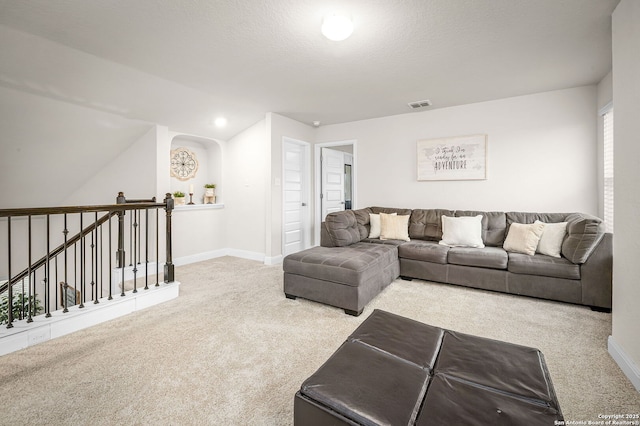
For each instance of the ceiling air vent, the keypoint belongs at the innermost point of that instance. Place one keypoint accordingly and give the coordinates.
(419, 104)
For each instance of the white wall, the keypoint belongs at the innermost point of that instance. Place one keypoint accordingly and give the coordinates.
(245, 180)
(50, 148)
(197, 234)
(626, 243)
(132, 172)
(541, 154)
(279, 127)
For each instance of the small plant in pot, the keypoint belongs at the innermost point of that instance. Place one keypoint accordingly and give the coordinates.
(178, 196)
(210, 189)
(209, 193)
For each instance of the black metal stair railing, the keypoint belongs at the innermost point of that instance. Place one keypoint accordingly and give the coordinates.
(80, 269)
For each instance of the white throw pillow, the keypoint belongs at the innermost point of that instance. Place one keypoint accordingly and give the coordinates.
(394, 227)
(465, 231)
(374, 221)
(523, 238)
(551, 239)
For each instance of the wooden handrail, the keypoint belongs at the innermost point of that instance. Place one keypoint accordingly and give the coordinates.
(43, 211)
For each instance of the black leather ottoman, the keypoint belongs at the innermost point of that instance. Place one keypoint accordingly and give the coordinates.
(396, 371)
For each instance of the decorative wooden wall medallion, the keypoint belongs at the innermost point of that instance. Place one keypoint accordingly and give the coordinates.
(184, 164)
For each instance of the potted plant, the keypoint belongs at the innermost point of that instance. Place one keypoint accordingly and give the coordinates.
(209, 193)
(19, 306)
(209, 189)
(178, 196)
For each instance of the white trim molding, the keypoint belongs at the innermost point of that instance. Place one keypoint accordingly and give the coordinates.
(243, 254)
(625, 363)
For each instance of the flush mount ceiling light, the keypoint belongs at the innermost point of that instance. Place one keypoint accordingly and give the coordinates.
(337, 27)
(220, 122)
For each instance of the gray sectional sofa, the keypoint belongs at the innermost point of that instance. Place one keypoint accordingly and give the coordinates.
(349, 269)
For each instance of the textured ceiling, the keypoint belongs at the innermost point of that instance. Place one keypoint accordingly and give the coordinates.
(243, 58)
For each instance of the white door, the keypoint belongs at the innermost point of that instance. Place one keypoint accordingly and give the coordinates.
(332, 195)
(295, 223)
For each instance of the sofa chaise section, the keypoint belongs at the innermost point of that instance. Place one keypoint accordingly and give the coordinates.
(347, 277)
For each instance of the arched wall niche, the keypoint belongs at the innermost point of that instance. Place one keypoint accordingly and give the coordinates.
(208, 153)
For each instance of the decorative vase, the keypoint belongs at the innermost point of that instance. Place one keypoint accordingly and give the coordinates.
(179, 201)
(210, 192)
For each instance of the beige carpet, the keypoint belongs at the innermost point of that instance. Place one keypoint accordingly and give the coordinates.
(232, 350)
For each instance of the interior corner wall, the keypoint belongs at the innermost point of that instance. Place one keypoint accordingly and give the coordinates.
(541, 154)
(278, 128)
(163, 162)
(133, 172)
(245, 192)
(626, 242)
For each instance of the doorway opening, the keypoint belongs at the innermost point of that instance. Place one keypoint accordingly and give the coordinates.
(335, 179)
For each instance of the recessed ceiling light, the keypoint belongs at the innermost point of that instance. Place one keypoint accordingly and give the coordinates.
(220, 122)
(337, 27)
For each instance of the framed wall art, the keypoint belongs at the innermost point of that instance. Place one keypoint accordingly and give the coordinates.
(184, 164)
(455, 158)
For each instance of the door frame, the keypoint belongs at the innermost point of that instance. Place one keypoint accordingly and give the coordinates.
(318, 180)
(306, 185)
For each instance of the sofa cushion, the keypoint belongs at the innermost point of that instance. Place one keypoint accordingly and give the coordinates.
(494, 226)
(363, 221)
(542, 265)
(426, 224)
(352, 265)
(551, 239)
(379, 241)
(462, 231)
(374, 223)
(390, 210)
(523, 238)
(394, 227)
(343, 228)
(524, 217)
(488, 257)
(427, 251)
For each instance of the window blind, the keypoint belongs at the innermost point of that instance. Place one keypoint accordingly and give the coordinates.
(608, 170)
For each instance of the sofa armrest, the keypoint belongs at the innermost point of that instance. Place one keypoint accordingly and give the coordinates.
(584, 233)
(325, 238)
(597, 276)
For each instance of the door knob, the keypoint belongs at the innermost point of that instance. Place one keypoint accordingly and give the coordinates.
(304, 204)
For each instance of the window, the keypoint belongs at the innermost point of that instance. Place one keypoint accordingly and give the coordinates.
(608, 170)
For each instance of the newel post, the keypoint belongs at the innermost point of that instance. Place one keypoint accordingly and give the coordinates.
(169, 268)
(120, 259)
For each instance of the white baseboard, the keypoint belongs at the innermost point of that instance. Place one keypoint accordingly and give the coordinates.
(243, 254)
(625, 363)
(200, 257)
(273, 260)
